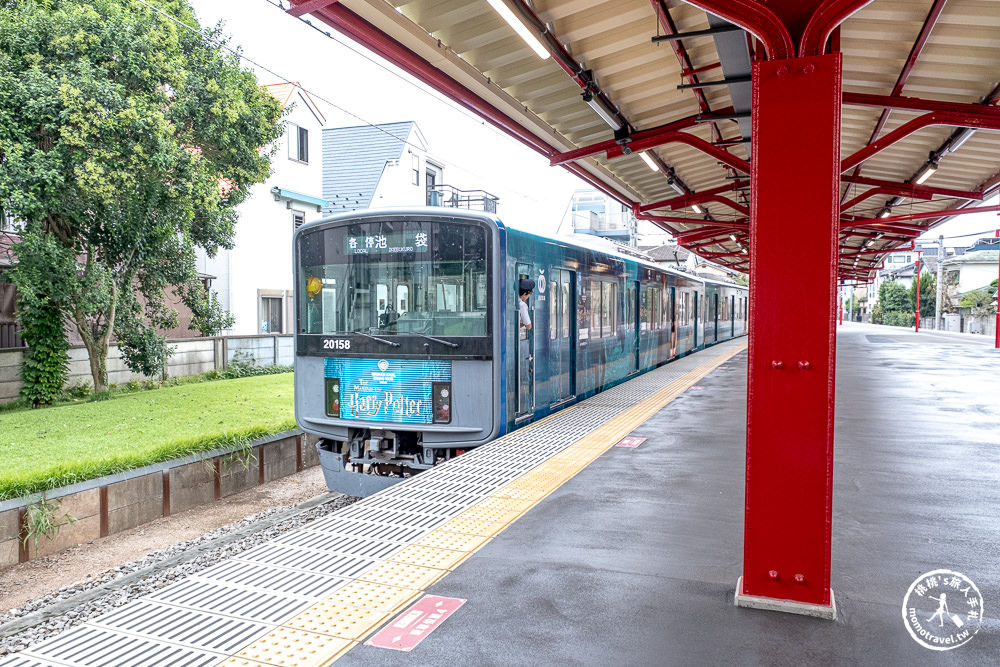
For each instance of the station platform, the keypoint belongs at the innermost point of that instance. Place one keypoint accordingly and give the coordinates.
(569, 550)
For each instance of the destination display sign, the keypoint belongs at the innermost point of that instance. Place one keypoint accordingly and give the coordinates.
(385, 244)
(387, 390)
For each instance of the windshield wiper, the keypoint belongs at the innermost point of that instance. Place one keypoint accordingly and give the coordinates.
(381, 340)
(436, 340)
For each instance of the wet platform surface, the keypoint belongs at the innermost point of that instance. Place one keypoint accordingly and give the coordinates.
(634, 560)
(570, 551)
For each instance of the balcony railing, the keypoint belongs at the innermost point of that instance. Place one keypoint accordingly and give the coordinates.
(447, 195)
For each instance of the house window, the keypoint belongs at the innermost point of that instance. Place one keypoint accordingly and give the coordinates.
(298, 143)
(415, 161)
(298, 219)
(270, 314)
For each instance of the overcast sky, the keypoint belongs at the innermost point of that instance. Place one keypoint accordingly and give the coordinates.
(353, 87)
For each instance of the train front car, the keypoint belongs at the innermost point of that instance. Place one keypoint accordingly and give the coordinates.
(396, 359)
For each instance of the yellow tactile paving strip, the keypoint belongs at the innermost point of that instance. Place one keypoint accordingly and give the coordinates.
(321, 634)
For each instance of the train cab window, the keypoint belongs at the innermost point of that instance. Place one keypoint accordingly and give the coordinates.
(396, 276)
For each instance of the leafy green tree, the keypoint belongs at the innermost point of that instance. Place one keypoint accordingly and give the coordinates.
(129, 139)
(928, 294)
(893, 297)
(979, 302)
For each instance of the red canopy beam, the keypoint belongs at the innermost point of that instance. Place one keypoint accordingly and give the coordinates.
(974, 195)
(982, 121)
(604, 146)
(827, 17)
(756, 19)
(918, 104)
(884, 190)
(694, 198)
(877, 222)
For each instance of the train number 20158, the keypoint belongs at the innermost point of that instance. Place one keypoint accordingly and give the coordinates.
(336, 344)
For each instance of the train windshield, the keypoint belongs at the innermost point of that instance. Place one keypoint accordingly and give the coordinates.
(396, 277)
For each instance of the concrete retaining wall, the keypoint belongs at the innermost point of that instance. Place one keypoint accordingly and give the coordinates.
(117, 503)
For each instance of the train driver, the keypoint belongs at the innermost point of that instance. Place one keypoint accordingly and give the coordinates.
(526, 287)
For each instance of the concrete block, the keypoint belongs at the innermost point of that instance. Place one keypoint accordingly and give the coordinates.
(192, 485)
(8, 538)
(82, 505)
(236, 477)
(70, 534)
(8, 553)
(280, 458)
(8, 525)
(134, 502)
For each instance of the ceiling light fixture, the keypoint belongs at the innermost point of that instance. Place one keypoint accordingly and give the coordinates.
(522, 30)
(927, 172)
(697, 209)
(606, 115)
(649, 161)
(732, 236)
(885, 213)
(676, 186)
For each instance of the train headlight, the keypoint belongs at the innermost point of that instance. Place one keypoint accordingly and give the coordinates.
(332, 397)
(441, 402)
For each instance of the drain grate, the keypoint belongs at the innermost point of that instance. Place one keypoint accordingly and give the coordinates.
(275, 579)
(89, 646)
(309, 561)
(187, 627)
(338, 544)
(242, 603)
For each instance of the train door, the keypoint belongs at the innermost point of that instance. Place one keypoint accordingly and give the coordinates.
(715, 327)
(695, 345)
(732, 316)
(525, 359)
(561, 309)
(632, 323)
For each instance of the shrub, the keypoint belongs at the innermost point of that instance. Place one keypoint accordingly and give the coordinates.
(897, 318)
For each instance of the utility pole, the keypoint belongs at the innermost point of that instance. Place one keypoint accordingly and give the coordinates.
(918, 290)
(937, 300)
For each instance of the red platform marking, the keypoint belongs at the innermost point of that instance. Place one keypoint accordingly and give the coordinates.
(410, 627)
(631, 441)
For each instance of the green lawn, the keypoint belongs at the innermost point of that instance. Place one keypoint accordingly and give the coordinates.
(51, 447)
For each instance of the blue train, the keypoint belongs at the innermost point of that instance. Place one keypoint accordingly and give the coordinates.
(408, 348)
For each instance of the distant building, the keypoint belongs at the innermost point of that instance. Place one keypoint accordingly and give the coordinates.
(254, 279)
(371, 166)
(593, 212)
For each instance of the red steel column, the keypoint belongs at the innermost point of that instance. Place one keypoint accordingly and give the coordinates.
(796, 170)
(997, 343)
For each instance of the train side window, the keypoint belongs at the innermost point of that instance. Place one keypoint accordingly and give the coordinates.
(595, 309)
(553, 309)
(606, 309)
(565, 306)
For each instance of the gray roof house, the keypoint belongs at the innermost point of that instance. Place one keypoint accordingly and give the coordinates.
(370, 166)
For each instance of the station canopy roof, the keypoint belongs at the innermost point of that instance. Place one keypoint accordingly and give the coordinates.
(612, 80)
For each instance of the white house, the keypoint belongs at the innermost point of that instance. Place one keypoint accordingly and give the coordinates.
(371, 166)
(254, 280)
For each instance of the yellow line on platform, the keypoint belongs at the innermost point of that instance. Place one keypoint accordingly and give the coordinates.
(329, 629)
